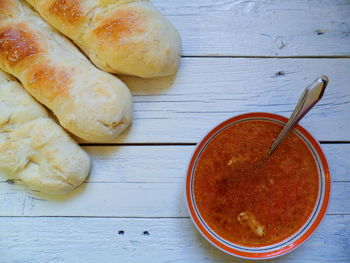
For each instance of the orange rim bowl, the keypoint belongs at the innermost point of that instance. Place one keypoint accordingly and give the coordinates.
(294, 240)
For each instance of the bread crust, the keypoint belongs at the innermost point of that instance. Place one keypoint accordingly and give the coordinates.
(90, 103)
(34, 150)
(126, 37)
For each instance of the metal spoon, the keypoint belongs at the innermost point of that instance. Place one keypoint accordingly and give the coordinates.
(311, 95)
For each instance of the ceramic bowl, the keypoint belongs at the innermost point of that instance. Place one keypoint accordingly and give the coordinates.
(292, 241)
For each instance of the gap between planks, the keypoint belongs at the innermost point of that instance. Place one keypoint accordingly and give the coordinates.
(141, 144)
(177, 143)
(264, 57)
(132, 217)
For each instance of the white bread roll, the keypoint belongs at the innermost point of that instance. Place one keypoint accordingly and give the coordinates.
(120, 36)
(90, 103)
(33, 148)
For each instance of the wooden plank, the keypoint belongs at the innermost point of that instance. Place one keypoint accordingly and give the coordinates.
(338, 156)
(143, 181)
(98, 199)
(207, 91)
(122, 200)
(261, 28)
(168, 164)
(43, 240)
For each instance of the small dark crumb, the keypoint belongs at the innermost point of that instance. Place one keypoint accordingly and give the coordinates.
(145, 233)
(320, 32)
(280, 73)
(10, 181)
(121, 232)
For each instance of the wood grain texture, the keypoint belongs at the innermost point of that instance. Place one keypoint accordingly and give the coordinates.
(261, 28)
(67, 240)
(123, 200)
(207, 91)
(141, 188)
(143, 181)
(168, 164)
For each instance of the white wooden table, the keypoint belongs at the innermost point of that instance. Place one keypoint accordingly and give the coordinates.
(239, 56)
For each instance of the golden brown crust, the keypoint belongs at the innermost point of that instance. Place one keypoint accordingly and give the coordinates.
(120, 36)
(69, 11)
(48, 82)
(54, 71)
(122, 24)
(17, 45)
(6, 7)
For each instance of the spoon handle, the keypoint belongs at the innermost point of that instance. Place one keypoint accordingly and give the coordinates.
(311, 95)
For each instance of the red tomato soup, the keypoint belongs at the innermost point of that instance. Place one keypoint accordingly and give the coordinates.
(248, 200)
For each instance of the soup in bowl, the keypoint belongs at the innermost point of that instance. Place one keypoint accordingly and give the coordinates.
(251, 205)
